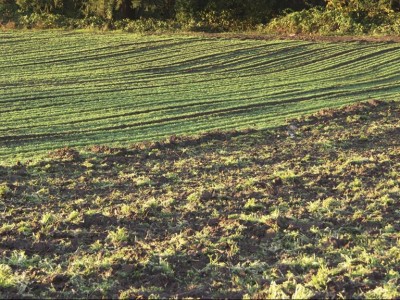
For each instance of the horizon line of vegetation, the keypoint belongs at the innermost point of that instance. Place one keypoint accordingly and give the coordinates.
(323, 17)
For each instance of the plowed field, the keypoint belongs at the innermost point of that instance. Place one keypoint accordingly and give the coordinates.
(305, 212)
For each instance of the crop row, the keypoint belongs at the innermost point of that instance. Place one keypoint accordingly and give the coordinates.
(77, 89)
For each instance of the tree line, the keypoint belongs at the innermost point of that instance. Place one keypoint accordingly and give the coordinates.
(255, 10)
(250, 12)
(259, 11)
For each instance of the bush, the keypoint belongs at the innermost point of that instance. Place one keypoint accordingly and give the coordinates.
(390, 27)
(92, 22)
(212, 21)
(335, 21)
(43, 21)
(147, 25)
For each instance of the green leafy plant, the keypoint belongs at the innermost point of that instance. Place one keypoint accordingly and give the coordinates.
(118, 236)
(7, 277)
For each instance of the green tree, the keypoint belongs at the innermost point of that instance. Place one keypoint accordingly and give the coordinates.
(40, 6)
(255, 11)
(8, 9)
(73, 8)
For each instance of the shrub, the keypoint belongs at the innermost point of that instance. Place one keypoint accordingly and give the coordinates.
(334, 20)
(43, 20)
(146, 25)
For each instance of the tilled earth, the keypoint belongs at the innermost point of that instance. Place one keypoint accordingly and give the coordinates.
(307, 210)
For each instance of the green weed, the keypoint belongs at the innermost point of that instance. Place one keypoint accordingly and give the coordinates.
(7, 277)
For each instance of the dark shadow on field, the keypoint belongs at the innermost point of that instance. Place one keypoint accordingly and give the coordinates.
(204, 229)
(67, 179)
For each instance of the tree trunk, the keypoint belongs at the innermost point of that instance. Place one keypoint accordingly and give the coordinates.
(126, 11)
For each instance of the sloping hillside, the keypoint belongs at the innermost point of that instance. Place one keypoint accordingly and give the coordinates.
(61, 88)
(310, 209)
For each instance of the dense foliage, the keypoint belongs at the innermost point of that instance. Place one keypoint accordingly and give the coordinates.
(165, 9)
(342, 17)
(309, 16)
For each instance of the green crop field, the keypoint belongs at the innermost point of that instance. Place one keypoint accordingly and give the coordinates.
(78, 88)
(263, 178)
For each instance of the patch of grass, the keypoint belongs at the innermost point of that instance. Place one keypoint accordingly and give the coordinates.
(4, 191)
(7, 277)
(118, 236)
